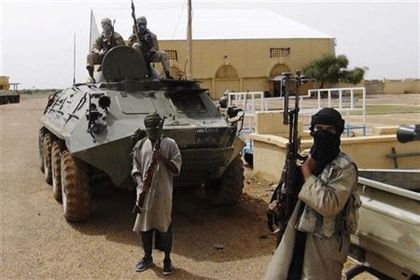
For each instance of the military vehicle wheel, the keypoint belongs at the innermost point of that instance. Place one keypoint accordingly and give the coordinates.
(226, 191)
(75, 188)
(47, 158)
(41, 148)
(56, 170)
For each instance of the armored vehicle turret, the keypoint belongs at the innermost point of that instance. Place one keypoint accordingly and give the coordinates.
(88, 132)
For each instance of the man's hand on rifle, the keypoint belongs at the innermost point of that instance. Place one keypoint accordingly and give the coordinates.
(273, 207)
(157, 155)
(166, 162)
(308, 166)
(97, 51)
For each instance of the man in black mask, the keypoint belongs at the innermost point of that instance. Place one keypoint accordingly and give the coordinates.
(149, 46)
(108, 39)
(326, 128)
(326, 212)
(155, 219)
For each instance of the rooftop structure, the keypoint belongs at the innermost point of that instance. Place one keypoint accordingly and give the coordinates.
(212, 24)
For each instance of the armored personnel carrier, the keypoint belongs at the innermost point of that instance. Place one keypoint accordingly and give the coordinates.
(88, 132)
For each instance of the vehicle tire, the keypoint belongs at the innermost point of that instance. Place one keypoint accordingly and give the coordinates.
(41, 148)
(75, 188)
(227, 190)
(56, 169)
(47, 158)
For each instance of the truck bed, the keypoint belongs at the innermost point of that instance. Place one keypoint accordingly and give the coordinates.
(388, 236)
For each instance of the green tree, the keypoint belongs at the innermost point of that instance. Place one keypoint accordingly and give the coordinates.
(332, 69)
(354, 76)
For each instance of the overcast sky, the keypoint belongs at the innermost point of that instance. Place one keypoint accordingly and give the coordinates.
(37, 37)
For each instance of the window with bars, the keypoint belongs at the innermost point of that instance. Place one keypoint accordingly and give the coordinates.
(279, 52)
(172, 54)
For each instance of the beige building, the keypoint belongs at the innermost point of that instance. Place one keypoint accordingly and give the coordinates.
(245, 64)
(236, 50)
(4, 82)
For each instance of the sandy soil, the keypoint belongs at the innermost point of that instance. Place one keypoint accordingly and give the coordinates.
(37, 242)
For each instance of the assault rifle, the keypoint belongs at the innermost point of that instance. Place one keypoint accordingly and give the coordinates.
(148, 178)
(133, 15)
(285, 196)
(145, 45)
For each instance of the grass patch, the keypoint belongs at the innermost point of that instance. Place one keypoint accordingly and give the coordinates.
(389, 109)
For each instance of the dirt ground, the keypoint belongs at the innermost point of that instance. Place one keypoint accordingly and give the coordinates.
(37, 242)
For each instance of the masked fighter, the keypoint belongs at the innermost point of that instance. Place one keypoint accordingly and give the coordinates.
(317, 238)
(155, 217)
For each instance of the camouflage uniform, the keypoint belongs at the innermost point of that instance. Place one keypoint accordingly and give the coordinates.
(317, 236)
(102, 43)
(149, 47)
(329, 217)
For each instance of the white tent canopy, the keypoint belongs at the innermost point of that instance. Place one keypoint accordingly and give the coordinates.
(211, 24)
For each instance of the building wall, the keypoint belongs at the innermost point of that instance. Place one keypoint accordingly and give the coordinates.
(270, 142)
(270, 153)
(388, 86)
(4, 82)
(402, 86)
(241, 65)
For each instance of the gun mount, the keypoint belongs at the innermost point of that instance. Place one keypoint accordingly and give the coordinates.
(407, 133)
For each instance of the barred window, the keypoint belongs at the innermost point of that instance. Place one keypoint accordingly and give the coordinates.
(172, 54)
(279, 52)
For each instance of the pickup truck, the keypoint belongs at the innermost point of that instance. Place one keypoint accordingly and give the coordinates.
(387, 242)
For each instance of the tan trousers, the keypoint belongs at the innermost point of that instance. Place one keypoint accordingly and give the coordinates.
(158, 56)
(93, 58)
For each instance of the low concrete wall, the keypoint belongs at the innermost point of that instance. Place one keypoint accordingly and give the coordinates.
(372, 151)
(401, 86)
(386, 86)
(271, 122)
(367, 151)
(392, 86)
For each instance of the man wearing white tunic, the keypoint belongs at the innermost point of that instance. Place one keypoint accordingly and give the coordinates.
(317, 237)
(156, 213)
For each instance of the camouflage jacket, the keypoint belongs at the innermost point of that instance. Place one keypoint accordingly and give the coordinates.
(149, 41)
(331, 200)
(102, 42)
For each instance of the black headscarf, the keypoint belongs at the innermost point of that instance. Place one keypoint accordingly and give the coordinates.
(152, 120)
(152, 123)
(328, 116)
(326, 145)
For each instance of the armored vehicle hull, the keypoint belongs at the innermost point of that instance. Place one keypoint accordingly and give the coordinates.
(9, 96)
(89, 131)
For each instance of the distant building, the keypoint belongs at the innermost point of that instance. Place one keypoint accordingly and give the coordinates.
(4, 83)
(236, 50)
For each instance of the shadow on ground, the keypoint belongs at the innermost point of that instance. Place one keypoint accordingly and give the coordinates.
(201, 231)
(179, 273)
